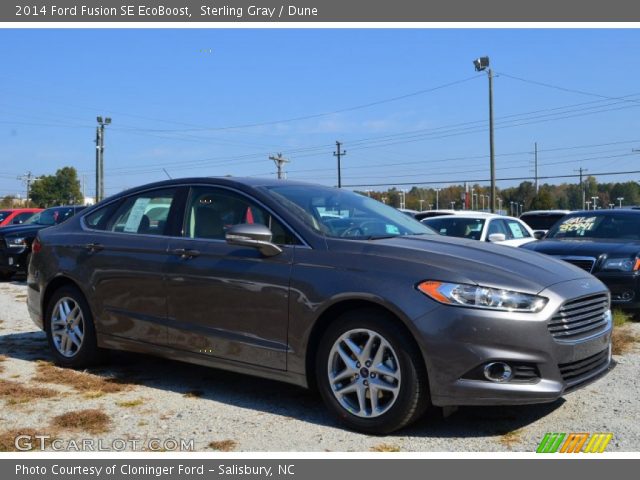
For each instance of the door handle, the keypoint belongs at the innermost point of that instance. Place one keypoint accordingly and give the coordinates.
(94, 247)
(185, 253)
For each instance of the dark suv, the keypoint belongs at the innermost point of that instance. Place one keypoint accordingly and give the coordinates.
(15, 241)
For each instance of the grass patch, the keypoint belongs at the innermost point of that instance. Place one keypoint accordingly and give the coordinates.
(83, 382)
(16, 393)
(509, 439)
(130, 403)
(620, 318)
(223, 445)
(193, 394)
(385, 447)
(622, 340)
(90, 420)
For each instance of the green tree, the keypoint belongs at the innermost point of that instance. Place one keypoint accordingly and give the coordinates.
(63, 188)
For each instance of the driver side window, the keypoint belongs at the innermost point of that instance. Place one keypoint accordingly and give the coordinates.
(212, 211)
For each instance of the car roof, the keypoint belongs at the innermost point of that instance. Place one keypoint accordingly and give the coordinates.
(546, 212)
(478, 215)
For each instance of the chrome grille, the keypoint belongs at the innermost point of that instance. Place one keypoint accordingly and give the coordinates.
(585, 263)
(580, 318)
(578, 372)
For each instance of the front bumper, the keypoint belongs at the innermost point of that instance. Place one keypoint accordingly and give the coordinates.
(457, 341)
(624, 288)
(13, 261)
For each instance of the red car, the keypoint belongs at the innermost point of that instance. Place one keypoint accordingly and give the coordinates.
(16, 216)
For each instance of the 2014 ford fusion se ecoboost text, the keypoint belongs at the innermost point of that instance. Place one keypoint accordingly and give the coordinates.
(319, 287)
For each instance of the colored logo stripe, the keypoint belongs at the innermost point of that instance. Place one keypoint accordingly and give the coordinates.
(574, 443)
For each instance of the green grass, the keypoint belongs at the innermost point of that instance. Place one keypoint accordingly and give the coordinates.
(620, 318)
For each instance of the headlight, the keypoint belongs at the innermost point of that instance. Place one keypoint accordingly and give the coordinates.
(622, 264)
(16, 242)
(482, 297)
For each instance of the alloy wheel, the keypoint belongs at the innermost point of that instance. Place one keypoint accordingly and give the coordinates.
(67, 327)
(364, 373)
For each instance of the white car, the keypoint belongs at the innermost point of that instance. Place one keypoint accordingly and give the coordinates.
(486, 227)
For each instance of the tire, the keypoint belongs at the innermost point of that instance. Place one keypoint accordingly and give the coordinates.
(394, 367)
(6, 276)
(71, 337)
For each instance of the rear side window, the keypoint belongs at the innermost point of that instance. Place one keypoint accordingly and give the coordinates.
(146, 213)
(516, 230)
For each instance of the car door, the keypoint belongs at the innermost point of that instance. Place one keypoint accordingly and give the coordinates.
(124, 254)
(227, 301)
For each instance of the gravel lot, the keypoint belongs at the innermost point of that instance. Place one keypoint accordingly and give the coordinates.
(159, 399)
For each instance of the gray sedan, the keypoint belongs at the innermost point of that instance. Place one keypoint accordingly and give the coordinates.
(318, 287)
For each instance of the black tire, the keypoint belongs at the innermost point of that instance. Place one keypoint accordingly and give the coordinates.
(87, 353)
(6, 276)
(412, 398)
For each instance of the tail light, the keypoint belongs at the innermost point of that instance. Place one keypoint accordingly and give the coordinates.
(36, 246)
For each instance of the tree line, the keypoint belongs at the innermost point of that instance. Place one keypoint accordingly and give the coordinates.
(62, 188)
(565, 196)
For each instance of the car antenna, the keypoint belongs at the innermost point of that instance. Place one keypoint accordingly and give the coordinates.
(167, 173)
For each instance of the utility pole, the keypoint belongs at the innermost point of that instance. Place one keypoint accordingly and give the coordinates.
(28, 179)
(280, 161)
(437, 198)
(339, 153)
(100, 156)
(482, 64)
(582, 170)
(535, 157)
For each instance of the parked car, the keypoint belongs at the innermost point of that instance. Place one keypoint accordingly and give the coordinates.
(16, 240)
(16, 216)
(379, 313)
(605, 243)
(409, 212)
(541, 221)
(486, 227)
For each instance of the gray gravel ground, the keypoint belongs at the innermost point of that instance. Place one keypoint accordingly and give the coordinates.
(252, 414)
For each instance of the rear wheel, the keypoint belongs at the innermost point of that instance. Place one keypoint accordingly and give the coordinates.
(70, 329)
(370, 373)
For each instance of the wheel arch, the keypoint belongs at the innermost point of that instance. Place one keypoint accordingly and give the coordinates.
(53, 286)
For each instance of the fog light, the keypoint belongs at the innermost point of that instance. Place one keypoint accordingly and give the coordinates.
(498, 372)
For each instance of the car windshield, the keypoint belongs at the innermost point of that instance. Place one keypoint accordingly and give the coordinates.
(457, 226)
(52, 216)
(344, 214)
(32, 219)
(541, 221)
(584, 225)
(4, 214)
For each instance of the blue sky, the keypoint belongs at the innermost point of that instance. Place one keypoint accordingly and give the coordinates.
(217, 102)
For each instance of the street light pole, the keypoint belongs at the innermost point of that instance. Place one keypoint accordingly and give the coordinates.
(437, 198)
(482, 64)
(595, 199)
(620, 199)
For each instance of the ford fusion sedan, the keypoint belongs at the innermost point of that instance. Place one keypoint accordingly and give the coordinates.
(486, 227)
(15, 240)
(605, 243)
(322, 288)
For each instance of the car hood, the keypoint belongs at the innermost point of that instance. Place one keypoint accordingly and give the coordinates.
(21, 229)
(584, 248)
(473, 262)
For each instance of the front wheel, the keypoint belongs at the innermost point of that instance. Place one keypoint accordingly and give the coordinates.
(370, 373)
(70, 330)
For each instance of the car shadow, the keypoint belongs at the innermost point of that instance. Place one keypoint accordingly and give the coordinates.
(270, 396)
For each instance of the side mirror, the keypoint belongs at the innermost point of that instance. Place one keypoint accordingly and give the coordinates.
(497, 237)
(539, 234)
(253, 235)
